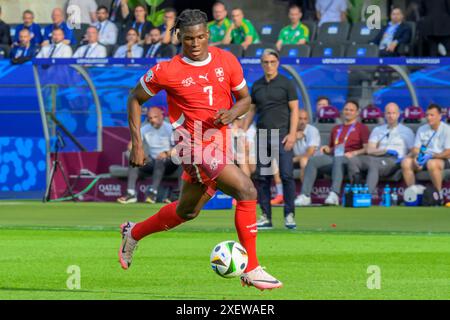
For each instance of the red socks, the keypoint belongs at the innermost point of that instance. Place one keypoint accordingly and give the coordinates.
(164, 220)
(245, 222)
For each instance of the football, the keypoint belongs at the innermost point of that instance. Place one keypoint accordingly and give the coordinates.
(229, 259)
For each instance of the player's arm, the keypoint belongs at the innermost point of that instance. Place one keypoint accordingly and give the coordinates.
(240, 108)
(135, 100)
(249, 117)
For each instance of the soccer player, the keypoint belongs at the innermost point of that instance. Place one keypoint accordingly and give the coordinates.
(200, 84)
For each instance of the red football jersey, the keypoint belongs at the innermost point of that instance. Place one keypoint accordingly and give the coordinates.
(196, 90)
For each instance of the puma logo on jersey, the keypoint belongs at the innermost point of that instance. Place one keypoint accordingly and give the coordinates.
(205, 77)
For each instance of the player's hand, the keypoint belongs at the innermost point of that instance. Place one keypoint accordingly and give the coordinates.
(224, 116)
(289, 141)
(325, 149)
(137, 157)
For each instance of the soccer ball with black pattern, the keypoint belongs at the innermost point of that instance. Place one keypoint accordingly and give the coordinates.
(229, 259)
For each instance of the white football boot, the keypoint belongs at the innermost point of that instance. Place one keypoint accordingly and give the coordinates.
(127, 246)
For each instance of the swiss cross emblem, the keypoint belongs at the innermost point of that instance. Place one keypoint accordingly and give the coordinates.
(219, 72)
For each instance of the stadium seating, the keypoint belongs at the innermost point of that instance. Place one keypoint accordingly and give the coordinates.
(256, 50)
(4, 50)
(235, 49)
(362, 51)
(296, 51)
(312, 26)
(333, 32)
(329, 50)
(360, 33)
(413, 117)
(268, 33)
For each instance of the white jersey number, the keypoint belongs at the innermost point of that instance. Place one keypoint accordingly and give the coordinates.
(209, 89)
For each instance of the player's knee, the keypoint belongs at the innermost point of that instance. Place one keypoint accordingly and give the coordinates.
(247, 191)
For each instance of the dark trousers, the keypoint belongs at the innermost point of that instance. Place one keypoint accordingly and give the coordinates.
(264, 181)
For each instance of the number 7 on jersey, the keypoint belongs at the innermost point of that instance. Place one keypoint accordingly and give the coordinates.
(209, 89)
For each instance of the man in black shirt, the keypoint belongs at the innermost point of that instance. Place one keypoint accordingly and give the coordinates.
(275, 102)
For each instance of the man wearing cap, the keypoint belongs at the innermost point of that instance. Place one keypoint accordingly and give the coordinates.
(388, 145)
(275, 101)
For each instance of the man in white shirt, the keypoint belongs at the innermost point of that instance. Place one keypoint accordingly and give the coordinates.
(157, 138)
(388, 145)
(107, 30)
(58, 49)
(307, 144)
(93, 49)
(131, 49)
(431, 150)
(331, 11)
(86, 9)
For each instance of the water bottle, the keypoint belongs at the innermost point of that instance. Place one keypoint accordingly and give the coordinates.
(387, 196)
(394, 197)
(346, 191)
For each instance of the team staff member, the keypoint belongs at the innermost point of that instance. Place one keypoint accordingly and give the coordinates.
(388, 144)
(431, 150)
(346, 141)
(275, 101)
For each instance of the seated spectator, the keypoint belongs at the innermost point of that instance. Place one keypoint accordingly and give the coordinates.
(169, 37)
(394, 34)
(158, 143)
(331, 11)
(58, 23)
(307, 144)
(132, 49)
(139, 23)
(388, 145)
(154, 48)
(431, 150)
(305, 147)
(5, 33)
(346, 141)
(24, 50)
(57, 48)
(219, 26)
(33, 28)
(120, 12)
(296, 32)
(107, 31)
(241, 31)
(86, 10)
(92, 49)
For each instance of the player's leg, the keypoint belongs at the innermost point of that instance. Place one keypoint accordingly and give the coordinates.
(234, 182)
(435, 168)
(192, 199)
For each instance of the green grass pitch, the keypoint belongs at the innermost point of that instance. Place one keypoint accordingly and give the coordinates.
(411, 246)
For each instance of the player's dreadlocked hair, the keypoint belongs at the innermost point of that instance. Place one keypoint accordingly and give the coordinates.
(190, 17)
